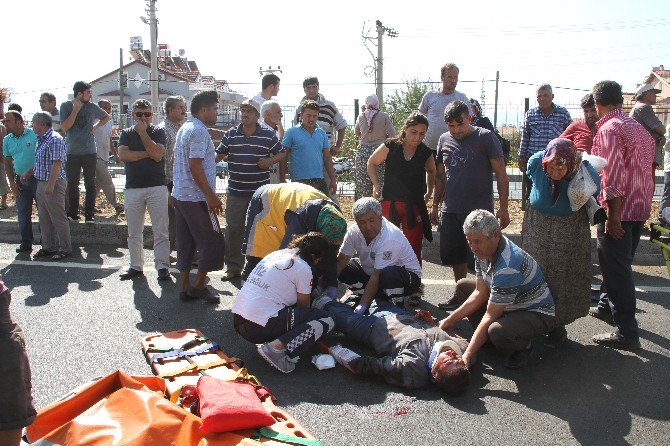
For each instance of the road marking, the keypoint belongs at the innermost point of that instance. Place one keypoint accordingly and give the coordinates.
(447, 282)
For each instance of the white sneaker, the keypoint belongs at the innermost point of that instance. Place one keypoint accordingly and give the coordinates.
(276, 359)
(344, 356)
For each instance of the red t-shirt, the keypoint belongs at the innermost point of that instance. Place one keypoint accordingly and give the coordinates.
(580, 135)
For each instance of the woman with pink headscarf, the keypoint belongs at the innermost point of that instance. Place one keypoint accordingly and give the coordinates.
(557, 237)
(373, 128)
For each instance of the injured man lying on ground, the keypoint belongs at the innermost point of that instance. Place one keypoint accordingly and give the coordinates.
(411, 349)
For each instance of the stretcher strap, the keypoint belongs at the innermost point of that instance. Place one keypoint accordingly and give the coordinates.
(190, 344)
(178, 371)
(218, 363)
(178, 353)
(264, 432)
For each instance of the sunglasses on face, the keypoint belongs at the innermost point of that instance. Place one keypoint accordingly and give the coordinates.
(145, 114)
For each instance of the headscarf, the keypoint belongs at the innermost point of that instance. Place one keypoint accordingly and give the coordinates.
(371, 109)
(561, 150)
(331, 223)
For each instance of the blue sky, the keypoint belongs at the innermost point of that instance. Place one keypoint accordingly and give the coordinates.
(569, 44)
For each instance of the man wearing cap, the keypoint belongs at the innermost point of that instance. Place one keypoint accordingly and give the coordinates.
(251, 150)
(278, 212)
(643, 113)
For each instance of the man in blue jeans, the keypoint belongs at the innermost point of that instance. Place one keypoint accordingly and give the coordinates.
(78, 121)
(18, 148)
(412, 350)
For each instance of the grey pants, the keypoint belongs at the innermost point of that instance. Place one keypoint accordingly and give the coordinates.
(103, 180)
(54, 225)
(512, 331)
(236, 213)
(137, 202)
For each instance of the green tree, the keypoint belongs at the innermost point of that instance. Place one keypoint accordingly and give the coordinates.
(404, 101)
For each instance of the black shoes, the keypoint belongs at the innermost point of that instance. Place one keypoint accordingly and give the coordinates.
(556, 338)
(131, 273)
(602, 314)
(163, 274)
(204, 294)
(24, 248)
(527, 356)
(615, 340)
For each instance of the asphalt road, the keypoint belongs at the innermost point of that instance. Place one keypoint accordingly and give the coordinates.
(81, 322)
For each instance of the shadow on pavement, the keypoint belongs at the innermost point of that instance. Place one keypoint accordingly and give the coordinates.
(594, 389)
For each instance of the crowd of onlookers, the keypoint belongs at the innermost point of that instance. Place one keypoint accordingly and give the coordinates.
(290, 244)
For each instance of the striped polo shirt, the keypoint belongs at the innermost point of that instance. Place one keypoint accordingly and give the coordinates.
(515, 280)
(244, 152)
(539, 129)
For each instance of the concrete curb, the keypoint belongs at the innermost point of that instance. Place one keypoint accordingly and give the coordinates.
(99, 233)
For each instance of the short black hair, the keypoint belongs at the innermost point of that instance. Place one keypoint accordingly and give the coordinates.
(203, 99)
(13, 106)
(608, 93)
(455, 381)
(587, 101)
(50, 96)
(455, 111)
(141, 103)
(310, 80)
(16, 114)
(269, 79)
(80, 87)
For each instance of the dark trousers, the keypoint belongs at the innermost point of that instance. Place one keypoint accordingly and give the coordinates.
(297, 328)
(513, 330)
(394, 281)
(618, 289)
(75, 164)
(316, 183)
(198, 230)
(24, 207)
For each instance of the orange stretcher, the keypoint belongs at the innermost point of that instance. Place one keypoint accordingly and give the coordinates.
(181, 357)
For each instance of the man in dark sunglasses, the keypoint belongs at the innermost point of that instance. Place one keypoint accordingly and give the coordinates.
(141, 148)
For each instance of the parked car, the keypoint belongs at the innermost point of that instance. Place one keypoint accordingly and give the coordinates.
(342, 164)
(221, 169)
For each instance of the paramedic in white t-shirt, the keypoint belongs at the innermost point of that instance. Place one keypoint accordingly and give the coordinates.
(273, 307)
(385, 264)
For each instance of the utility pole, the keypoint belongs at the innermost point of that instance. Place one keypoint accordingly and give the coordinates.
(495, 111)
(379, 60)
(153, 82)
(122, 84)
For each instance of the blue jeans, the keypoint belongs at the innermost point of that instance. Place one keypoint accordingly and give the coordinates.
(358, 326)
(665, 199)
(24, 207)
(618, 288)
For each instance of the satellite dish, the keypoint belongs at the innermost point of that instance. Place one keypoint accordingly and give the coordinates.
(182, 52)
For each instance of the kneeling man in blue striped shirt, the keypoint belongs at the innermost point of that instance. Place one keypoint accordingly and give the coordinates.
(509, 302)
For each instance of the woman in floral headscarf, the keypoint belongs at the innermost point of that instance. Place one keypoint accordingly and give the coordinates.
(373, 128)
(557, 237)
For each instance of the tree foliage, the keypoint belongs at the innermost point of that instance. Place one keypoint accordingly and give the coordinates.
(404, 101)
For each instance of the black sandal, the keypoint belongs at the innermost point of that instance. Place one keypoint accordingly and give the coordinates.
(44, 253)
(59, 255)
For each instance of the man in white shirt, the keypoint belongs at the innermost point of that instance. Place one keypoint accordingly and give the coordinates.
(271, 116)
(386, 265)
(103, 146)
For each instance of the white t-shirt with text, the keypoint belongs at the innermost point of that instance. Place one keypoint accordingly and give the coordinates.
(274, 284)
